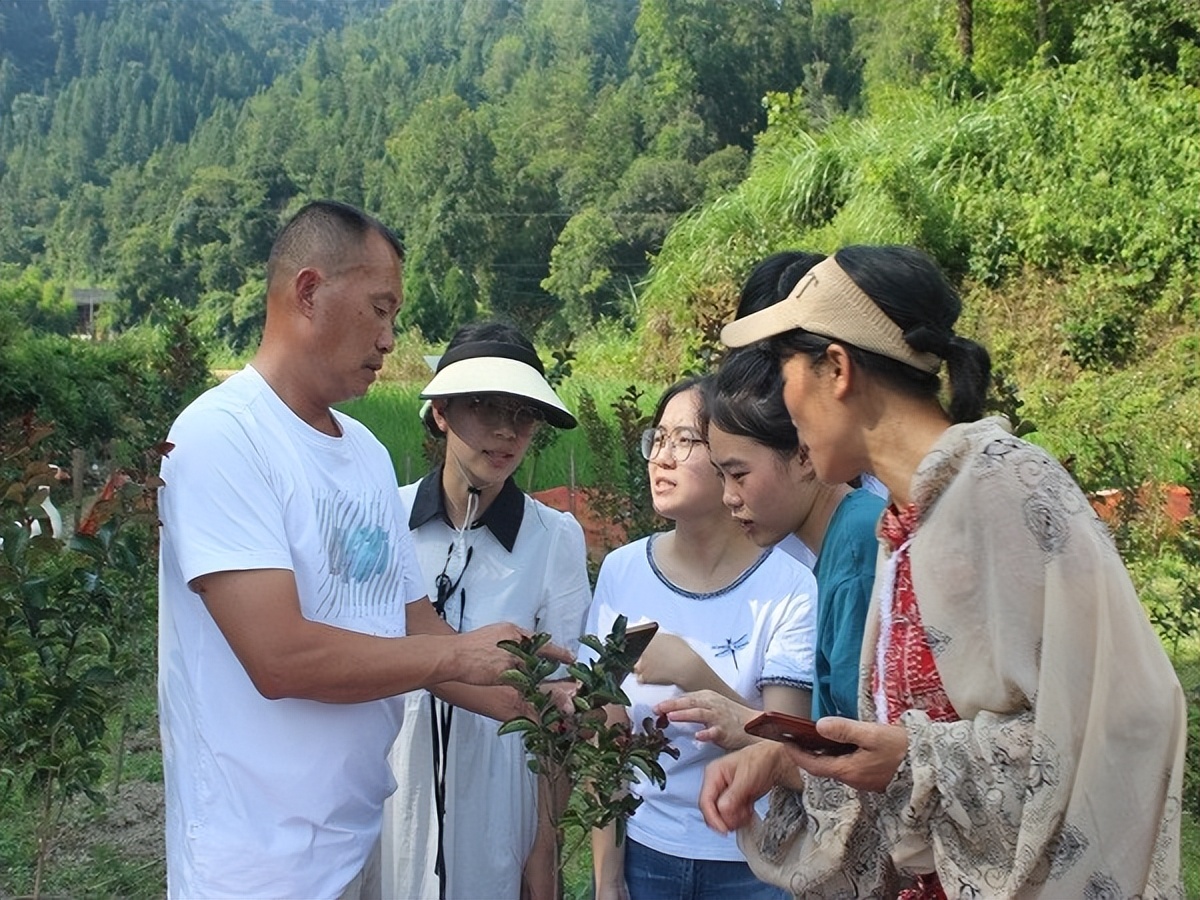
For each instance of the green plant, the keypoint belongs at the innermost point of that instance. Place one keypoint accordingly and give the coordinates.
(111, 398)
(1005, 398)
(60, 615)
(620, 494)
(119, 532)
(1100, 328)
(580, 749)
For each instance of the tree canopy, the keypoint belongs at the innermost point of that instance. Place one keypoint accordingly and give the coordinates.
(538, 157)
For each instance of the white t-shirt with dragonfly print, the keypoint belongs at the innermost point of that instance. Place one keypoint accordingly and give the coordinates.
(758, 630)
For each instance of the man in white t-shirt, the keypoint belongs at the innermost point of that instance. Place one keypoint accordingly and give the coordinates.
(287, 586)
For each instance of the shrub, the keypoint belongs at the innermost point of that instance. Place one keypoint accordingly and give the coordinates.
(579, 749)
(64, 643)
(112, 398)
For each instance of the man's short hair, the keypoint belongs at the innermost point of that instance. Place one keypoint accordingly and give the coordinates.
(325, 229)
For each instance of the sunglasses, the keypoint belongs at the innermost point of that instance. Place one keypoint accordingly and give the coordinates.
(493, 411)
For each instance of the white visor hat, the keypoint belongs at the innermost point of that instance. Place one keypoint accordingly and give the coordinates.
(826, 301)
(498, 367)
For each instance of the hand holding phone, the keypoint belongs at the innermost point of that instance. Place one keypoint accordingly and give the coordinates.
(637, 639)
(777, 726)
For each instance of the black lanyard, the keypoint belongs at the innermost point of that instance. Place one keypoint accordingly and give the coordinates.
(446, 587)
(440, 714)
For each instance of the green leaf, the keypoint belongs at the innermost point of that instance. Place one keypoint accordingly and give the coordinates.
(590, 640)
(515, 649)
(516, 678)
(652, 770)
(519, 725)
(35, 592)
(89, 545)
(16, 541)
(99, 675)
(578, 672)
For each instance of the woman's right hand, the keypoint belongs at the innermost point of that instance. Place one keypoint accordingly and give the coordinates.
(881, 750)
(734, 782)
(722, 718)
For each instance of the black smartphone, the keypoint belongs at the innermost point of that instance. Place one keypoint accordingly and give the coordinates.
(777, 726)
(637, 639)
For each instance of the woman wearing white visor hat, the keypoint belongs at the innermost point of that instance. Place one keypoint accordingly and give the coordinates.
(464, 821)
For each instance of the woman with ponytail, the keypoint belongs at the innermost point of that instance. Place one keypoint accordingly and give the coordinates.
(1021, 731)
(468, 818)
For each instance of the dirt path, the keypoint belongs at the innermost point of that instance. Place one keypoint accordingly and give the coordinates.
(131, 825)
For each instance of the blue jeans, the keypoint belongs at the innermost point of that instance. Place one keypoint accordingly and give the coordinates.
(651, 875)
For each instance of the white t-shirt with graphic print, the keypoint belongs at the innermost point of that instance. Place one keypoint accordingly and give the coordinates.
(760, 629)
(273, 798)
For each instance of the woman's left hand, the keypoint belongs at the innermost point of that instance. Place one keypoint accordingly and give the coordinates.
(669, 660)
(881, 749)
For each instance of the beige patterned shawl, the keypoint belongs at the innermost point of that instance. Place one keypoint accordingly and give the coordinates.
(1064, 777)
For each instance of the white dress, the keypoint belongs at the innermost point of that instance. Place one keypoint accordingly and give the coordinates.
(527, 565)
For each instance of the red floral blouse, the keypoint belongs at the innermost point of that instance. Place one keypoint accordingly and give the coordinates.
(910, 675)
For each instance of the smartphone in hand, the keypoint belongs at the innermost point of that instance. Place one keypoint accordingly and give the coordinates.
(777, 726)
(637, 639)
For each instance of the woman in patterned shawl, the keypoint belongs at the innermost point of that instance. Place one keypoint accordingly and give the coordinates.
(1022, 730)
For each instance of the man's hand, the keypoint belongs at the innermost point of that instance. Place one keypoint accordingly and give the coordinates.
(482, 661)
(562, 693)
(477, 658)
(722, 718)
(734, 782)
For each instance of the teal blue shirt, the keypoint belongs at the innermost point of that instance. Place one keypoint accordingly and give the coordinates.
(845, 573)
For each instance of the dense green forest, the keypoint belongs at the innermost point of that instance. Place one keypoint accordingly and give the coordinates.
(602, 172)
(158, 154)
(614, 169)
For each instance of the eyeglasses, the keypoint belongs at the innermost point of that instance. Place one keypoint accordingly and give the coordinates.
(494, 411)
(682, 440)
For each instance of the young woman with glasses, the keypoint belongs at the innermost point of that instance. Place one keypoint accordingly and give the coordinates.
(467, 819)
(773, 492)
(769, 486)
(742, 615)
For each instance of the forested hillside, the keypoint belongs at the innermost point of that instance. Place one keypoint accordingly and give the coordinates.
(603, 172)
(533, 154)
(1063, 196)
(569, 164)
